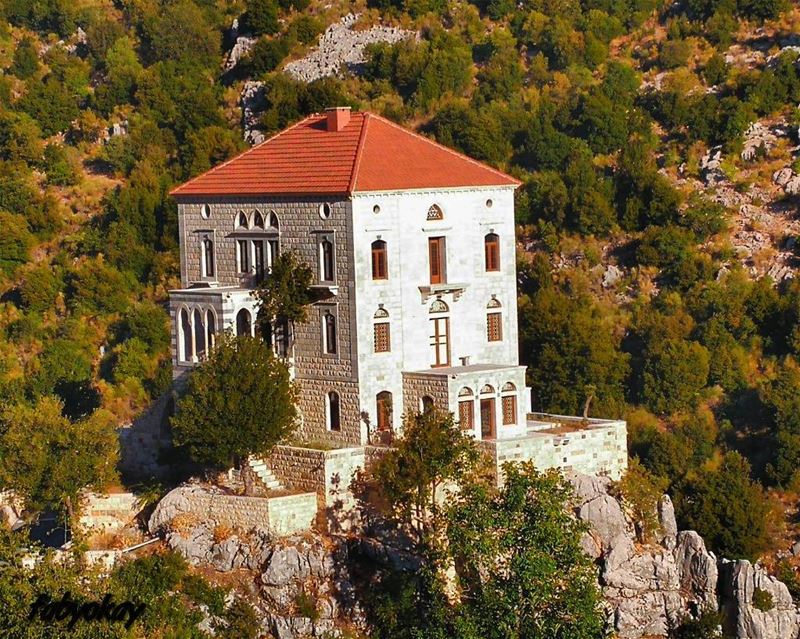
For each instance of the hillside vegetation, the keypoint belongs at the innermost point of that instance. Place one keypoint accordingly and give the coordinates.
(635, 285)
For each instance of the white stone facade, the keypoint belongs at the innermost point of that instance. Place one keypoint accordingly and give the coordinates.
(409, 329)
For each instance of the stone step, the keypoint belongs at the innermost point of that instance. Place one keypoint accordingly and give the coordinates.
(264, 474)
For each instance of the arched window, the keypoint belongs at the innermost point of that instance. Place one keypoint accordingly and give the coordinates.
(380, 266)
(199, 333)
(332, 411)
(494, 321)
(466, 409)
(207, 257)
(326, 260)
(273, 220)
(211, 328)
(487, 389)
(426, 404)
(243, 323)
(435, 212)
(383, 404)
(491, 250)
(329, 333)
(258, 220)
(185, 351)
(440, 334)
(241, 220)
(381, 334)
(205, 211)
(508, 401)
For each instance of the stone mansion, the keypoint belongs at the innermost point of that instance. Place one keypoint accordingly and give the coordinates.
(413, 245)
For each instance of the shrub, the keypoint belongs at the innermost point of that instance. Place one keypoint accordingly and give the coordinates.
(15, 242)
(762, 600)
(26, 59)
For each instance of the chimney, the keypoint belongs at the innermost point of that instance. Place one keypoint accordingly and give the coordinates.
(338, 117)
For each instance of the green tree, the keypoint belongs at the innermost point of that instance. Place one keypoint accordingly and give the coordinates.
(520, 567)
(25, 63)
(675, 372)
(641, 491)
(49, 459)
(239, 402)
(571, 338)
(431, 456)
(728, 509)
(261, 16)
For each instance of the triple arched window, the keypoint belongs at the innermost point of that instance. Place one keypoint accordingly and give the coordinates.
(196, 333)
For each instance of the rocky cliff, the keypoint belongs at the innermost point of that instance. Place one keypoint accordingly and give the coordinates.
(309, 585)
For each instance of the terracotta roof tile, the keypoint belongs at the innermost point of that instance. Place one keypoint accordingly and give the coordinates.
(368, 154)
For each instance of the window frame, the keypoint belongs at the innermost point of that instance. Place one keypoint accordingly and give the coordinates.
(494, 316)
(380, 260)
(437, 256)
(384, 325)
(491, 252)
(332, 399)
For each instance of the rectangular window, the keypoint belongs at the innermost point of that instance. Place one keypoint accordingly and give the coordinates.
(436, 258)
(380, 270)
(509, 410)
(494, 327)
(381, 338)
(440, 341)
(466, 417)
(492, 252)
(243, 249)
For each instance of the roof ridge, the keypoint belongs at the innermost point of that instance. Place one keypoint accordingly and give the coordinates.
(214, 169)
(458, 154)
(359, 148)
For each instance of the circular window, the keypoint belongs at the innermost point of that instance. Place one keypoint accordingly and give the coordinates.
(489, 204)
(325, 210)
(376, 209)
(205, 211)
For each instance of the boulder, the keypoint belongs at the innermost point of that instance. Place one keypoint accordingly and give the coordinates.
(669, 525)
(697, 570)
(738, 581)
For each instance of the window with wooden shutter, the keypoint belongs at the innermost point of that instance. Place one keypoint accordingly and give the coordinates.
(436, 259)
(509, 403)
(494, 327)
(381, 337)
(491, 245)
(380, 269)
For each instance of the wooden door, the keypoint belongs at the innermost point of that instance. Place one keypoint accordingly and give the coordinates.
(487, 418)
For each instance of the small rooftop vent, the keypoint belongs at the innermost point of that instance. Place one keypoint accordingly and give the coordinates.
(338, 117)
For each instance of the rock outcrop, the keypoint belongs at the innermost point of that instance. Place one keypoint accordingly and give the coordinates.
(342, 47)
(652, 588)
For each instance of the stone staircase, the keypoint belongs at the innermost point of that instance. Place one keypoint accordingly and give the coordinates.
(264, 474)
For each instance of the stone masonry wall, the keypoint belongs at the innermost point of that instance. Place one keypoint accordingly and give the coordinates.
(301, 228)
(599, 450)
(418, 385)
(328, 473)
(284, 515)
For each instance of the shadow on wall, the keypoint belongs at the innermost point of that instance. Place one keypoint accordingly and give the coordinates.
(145, 445)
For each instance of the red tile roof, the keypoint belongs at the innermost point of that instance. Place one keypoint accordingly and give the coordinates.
(369, 154)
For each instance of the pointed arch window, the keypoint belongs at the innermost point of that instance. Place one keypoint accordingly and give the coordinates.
(241, 220)
(435, 212)
(491, 246)
(273, 220)
(211, 328)
(508, 404)
(380, 266)
(185, 350)
(199, 333)
(258, 220)
(466, 409)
